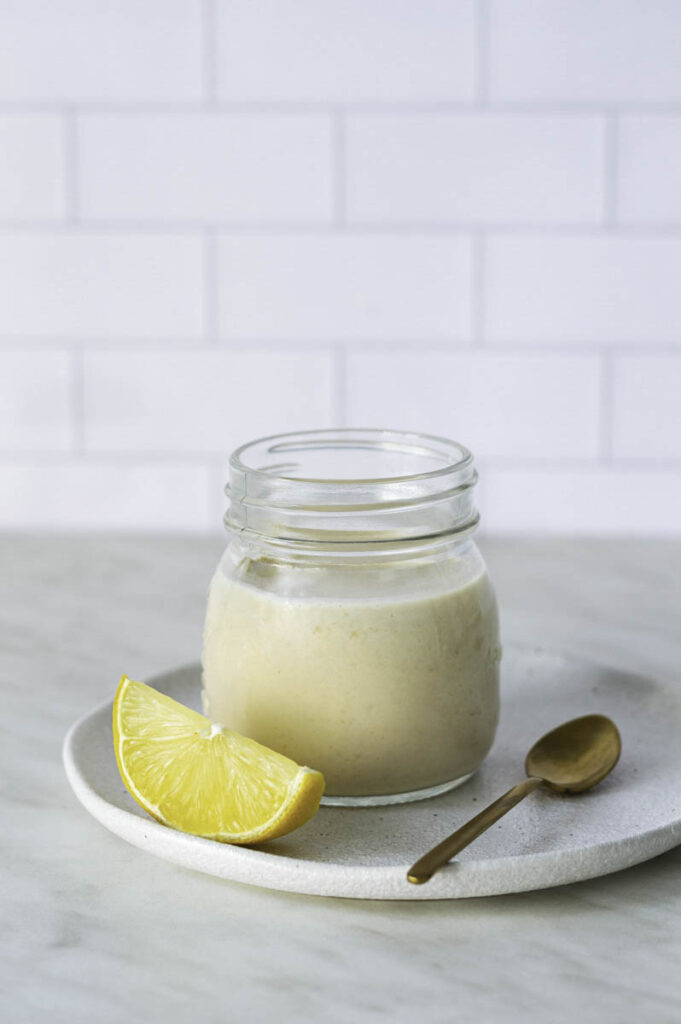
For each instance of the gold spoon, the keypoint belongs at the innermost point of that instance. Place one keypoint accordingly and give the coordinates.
(569, 759)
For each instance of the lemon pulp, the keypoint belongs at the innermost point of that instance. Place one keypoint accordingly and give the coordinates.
(196, 776)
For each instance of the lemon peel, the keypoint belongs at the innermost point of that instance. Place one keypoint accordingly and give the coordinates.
(195, 775)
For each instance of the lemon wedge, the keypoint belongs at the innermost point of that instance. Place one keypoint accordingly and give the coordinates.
(196, 776)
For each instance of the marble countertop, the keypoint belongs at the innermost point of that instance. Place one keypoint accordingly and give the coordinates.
(95, 930)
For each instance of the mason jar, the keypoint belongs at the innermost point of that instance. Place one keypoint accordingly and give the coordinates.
(351, 623)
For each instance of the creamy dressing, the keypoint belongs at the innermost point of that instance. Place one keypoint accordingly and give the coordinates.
(382, 696)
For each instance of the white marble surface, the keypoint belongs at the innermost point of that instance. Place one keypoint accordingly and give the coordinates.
(92, 929)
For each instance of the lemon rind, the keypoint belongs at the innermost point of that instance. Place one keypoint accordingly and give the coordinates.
(287, 817)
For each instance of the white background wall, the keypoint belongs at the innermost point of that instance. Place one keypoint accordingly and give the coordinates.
(226, 218)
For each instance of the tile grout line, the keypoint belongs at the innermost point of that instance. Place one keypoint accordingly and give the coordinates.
(382, 229)
(478, 256)
(296, 107)
(209, 55)
(606, 409)
(211, 297)
(71, 166)
(339, 170)
(482, 31)
(610, 169)
(218, 463)
(160, 344)
(78, 401)
(339, 395)
(509, 463)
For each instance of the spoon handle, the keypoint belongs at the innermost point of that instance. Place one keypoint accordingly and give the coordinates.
(426, 866)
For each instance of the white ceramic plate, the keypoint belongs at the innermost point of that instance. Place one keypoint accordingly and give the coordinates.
(633, 815)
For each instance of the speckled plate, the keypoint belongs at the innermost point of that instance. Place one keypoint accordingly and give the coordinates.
(634, 815)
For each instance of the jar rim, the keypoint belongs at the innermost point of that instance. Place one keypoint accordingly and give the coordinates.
(411, 442)
(404, 502)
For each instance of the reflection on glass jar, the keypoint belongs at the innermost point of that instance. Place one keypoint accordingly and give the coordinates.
(351, 623)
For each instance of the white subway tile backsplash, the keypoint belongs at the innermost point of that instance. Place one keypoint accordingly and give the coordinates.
(207, 401)
(225, 218)
(500, 406)
(106, 495)
(214, 167)
(346, 50)
(647, 408)
(650, 169)
(93, 287)
(76, 50)
(32, 185)
(583, 289)
(345, 288)
(36, 391)
(484, 168)
(583, 501)
(585, 50)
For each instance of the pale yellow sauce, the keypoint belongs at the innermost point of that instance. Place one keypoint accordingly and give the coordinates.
(382, 696)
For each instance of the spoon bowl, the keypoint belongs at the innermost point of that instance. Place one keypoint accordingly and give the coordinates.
(569, 759)
(576, 755)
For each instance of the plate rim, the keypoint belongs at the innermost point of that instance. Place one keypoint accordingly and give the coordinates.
(316, 878)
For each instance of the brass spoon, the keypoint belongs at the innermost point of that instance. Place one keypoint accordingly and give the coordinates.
(569, 759)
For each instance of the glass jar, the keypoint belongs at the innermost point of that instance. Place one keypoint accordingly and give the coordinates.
(351, 623)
